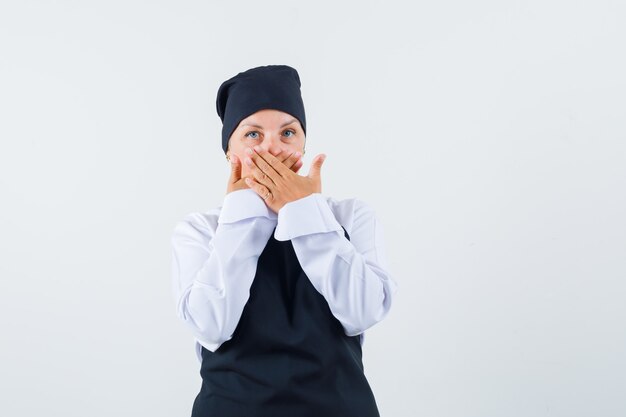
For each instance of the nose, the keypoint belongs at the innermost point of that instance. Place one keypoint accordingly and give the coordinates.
(272, 144)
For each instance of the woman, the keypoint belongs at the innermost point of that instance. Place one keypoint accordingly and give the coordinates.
(279, 283)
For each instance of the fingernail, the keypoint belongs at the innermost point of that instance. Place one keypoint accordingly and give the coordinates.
(257, 148)
(297, 154)
(249, 151)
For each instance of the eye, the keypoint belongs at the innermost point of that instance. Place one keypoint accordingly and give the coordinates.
(292, 132)
(254, 131)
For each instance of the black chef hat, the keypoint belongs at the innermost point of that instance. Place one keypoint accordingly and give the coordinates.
(266, 87)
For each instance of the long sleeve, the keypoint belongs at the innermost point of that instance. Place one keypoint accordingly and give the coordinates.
(214, 264)
(352, 275)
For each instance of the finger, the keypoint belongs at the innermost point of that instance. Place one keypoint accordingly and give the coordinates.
(259, 175)
(292, 160)
(284, 155)
(288, 160)
(268, 162)
(260, 189)
(235, 169)
(297, 166)
(314, 171)
(265, 168)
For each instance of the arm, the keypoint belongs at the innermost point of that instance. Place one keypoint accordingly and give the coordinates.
(352, 275)
(213, 267)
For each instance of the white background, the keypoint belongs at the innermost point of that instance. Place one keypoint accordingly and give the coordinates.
(489, 136)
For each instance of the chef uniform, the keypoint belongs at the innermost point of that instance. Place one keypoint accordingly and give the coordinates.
(278, 339)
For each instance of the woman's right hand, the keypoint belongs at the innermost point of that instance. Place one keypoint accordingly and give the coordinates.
(235, 182)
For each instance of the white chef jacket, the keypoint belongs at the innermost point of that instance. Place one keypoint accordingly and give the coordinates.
(215, 254)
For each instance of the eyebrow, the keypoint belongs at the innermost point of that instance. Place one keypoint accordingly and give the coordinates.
(261, 127)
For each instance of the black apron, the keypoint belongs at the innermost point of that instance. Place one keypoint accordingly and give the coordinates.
(289, 356)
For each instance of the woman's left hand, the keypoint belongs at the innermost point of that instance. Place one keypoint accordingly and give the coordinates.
(277, 184)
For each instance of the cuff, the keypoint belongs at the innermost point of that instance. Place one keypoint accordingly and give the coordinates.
(305, 216)
(243, 204)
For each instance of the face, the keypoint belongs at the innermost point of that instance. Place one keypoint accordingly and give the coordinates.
(273, 130)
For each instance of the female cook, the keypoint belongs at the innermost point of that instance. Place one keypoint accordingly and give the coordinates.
(279, 283)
